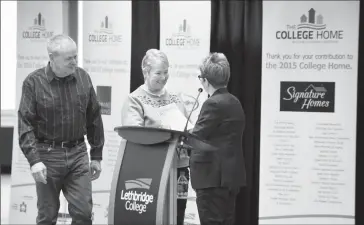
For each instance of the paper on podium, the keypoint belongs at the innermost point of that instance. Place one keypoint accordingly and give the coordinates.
(172, 118)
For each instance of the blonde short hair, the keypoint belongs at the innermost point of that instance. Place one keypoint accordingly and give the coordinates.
(151, 56)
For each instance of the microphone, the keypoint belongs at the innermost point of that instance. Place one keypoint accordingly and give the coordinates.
(185, 130)
(188, 119)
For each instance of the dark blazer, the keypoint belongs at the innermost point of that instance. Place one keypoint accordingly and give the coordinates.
(221, 122)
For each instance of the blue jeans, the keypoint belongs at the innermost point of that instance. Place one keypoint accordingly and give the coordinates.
(67, 170)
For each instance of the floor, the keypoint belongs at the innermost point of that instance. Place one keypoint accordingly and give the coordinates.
(5, 202)
(5, 198)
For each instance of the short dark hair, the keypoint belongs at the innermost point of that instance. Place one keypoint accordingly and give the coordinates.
(216, 69)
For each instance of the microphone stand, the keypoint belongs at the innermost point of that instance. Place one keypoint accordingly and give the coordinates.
(188, 119)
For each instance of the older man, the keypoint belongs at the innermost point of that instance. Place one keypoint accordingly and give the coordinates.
(58, 107)
(218, 176)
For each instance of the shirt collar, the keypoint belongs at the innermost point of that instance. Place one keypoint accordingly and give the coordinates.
(220, 91)
(51, 75)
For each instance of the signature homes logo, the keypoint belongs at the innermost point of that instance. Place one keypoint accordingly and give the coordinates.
(307, 96)
(105, 33)
(38, 30)
(311, 28)
(183, 38)
(136, 195)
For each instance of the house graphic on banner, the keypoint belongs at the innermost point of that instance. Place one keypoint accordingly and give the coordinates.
(106, 26)
(316, 89)
(312, 21)
(184, 29)
(39, 22)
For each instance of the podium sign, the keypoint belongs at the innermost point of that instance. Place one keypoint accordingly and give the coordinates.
(138, 183)
(144, 185)
(140, 193)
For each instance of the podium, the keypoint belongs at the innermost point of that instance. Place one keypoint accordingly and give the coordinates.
(144, 184)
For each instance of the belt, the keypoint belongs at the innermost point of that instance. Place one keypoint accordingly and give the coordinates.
(62, 144)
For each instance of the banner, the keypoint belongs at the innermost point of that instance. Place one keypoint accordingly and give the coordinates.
(36, 22)
(185, 38)
(106, 57)
(308, 114)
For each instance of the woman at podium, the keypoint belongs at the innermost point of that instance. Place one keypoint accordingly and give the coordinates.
(151, 105)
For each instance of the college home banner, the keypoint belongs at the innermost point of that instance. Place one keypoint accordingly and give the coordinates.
(106, 57)
(185, 38)
(36, 22)
(308, 114)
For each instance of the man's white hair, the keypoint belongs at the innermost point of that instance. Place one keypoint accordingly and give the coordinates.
(58, 42)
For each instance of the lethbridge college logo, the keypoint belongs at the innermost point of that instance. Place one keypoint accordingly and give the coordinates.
(307, 96)
(311, 28)
(136, 199)
(183, 38)
(105, 33)
(38, 30)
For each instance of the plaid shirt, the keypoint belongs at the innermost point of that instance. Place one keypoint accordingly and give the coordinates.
(59, 109)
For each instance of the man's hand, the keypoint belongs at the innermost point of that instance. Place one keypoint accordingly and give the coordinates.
(95, 167)
(39, 172)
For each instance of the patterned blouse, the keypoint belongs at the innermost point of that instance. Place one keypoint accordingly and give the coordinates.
(141, 108)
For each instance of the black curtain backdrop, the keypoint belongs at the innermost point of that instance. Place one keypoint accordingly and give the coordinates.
(145, 35)
(236, 31)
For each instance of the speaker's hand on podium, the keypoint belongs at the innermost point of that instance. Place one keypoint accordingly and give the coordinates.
(95, 167)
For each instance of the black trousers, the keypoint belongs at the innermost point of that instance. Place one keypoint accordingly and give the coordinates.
(181, 203)
(216, 206)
